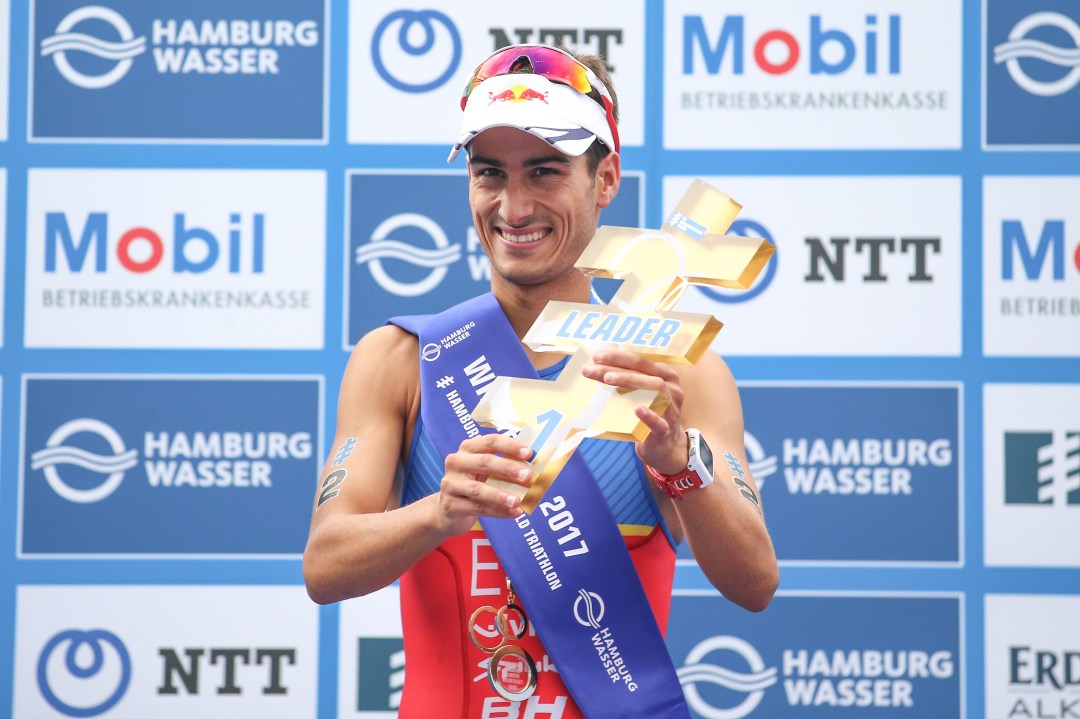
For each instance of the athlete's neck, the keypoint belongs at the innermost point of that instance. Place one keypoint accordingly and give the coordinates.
(522, 304)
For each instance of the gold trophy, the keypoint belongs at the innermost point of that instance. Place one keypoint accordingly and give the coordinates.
(657, 267)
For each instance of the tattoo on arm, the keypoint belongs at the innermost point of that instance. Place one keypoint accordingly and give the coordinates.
(331, 484)
(345, 451)
(745, 489)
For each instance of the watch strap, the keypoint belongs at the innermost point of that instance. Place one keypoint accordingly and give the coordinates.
(675, 485)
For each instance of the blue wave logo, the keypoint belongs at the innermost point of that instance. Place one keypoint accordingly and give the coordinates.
(95, 663)
(594, 609)
(420, 51)
(1020, 47)
(57, 453)
(93, 46)
(762, 465)
(727, 678)
(382, 247)
(752, 683)
(65, 40)
(392, 249)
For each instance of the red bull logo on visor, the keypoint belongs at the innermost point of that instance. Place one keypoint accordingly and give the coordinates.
(517, 93)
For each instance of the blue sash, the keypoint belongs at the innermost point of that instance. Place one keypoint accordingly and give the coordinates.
(588, 607)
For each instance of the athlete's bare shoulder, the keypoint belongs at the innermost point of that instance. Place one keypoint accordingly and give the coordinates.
(384, 366)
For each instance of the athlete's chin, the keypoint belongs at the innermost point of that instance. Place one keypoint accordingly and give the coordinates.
(522, 276)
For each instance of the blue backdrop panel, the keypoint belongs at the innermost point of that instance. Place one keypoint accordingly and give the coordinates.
(923, 504)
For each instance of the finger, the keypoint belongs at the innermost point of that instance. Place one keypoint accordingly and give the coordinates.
(621, 359)
(478, 467)
(624, 379)
(658, 426)
(468, 496)
(496, 443)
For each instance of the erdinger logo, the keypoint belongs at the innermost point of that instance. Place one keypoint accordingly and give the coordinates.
(588, 609)
(1019, 46)
(747, 228)
(1042, 468)
(417, 35)
(64, 40)
(753, 683)
(93, 666)
(380, 673)
(56, 453)
(382, 247)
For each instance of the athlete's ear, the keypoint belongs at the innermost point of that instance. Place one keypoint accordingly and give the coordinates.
(608, 175)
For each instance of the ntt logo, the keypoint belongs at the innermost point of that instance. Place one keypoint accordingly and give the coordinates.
(83, 673)
(416, 50)
(65, 39)
(57, 452)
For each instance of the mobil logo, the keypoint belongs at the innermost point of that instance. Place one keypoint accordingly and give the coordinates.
(234, 243)
(819, 45)
(1027, 254)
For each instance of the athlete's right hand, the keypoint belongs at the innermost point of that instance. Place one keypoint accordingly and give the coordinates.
(465, 493)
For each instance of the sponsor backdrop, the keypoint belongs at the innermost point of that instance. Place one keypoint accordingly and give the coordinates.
(203, 206)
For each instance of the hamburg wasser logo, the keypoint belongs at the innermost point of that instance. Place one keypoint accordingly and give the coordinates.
(762, 465)
(589, 609)
(751, 681)
(1042, 468)
(83, 673)
(383, 246)
(1032, 73)
(58, 452)
(180, 46)
(196, 69)
(838, 656)
(894, 473)
(1022, 45)
(144, 465)
(69, 37)
(589, 612)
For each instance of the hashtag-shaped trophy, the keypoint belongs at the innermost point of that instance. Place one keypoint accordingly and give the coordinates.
(656, 267)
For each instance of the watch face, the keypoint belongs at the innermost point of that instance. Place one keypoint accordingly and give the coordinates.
(705, 453)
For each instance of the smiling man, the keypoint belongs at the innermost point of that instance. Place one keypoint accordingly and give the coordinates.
(540, 133)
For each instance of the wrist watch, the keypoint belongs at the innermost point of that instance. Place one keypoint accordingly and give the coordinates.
(698, 472)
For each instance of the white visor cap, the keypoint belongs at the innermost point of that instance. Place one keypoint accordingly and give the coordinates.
(556, 113)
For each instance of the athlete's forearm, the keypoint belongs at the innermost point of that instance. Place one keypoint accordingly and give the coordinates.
(728, 538)
(349, 555)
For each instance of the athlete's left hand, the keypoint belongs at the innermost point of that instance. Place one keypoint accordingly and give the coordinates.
(665, 449)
